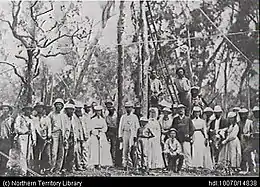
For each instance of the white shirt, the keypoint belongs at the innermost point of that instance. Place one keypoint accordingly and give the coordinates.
(217, 122)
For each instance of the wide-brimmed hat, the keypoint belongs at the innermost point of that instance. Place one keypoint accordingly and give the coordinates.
(236, 109)
(208, 109)
(129, 104)
(58, 100)
(144, 119)
(24, 107)
(165, 103)
(196, 109)
(110, 105)
(172, 129)
(69, 106)
(179, 68)
(243, 110)
(181, 106)
(166, 109)
(256, 108)
(39, 104)
(218, 109)
(6, 105)
(195, 88)
(231, 114)
(98, 108)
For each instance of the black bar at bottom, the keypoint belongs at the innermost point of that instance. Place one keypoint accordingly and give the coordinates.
(132, 181)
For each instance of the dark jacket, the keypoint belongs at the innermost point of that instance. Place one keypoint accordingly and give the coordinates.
(222, 124)
(184, 127)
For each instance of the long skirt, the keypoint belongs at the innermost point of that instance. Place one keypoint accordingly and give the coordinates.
(207, 161)
(230, 154)
(155, 152)
(99, 151)
(198, 148)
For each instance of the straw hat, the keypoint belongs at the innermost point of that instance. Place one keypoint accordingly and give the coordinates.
(208, 109)
(59, 100)
(256, 108)
(196, 109)
(236, 109)
(144, 119)
(98, 108)
(172, 129)
(69, 106)
(181, 106)
(129, 104)
(217, 109)
(6, 105)
(243, 110)
(231, 114)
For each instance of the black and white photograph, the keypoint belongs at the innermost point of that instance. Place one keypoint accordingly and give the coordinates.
(166, 88)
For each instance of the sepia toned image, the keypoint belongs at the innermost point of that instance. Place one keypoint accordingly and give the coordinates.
(165, 88)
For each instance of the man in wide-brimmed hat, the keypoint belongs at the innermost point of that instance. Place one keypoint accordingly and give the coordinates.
(82, 123)
(73, 134)
(217, 126)
(255, 132)
(183, 87)
(143, 136)
(173, 150)
(156, 88)
(137, 110)
(166, 122)
(57, 133)
(127, 132)
(185, 128)
(111, 120)
(43, 137)
(245, 126)
(5, 133)
(25, 129)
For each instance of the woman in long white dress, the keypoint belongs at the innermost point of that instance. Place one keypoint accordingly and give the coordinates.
(199, 139)
(230, 154)
(156, 159)
(207, 116)
(99, 148)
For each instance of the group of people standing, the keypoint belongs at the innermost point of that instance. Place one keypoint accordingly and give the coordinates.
(74, 136)
(172, 140)
(70, 136)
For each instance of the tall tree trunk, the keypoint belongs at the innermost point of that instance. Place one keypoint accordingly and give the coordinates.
(92, 48)
(120, 33)
(146, 60)
(225, 81)
(138, 72)
(27, 94)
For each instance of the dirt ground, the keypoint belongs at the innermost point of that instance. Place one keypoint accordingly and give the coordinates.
(114, 172)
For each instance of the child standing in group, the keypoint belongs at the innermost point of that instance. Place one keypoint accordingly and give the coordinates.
(173, 150)
(143, 139)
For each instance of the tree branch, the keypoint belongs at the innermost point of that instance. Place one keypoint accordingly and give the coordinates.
(8, 22)
(21, 57)
(15, 71)
(49, 10)
(54, 55)
(14, 24)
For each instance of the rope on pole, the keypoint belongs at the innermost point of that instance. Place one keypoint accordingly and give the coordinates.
(225, 36)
